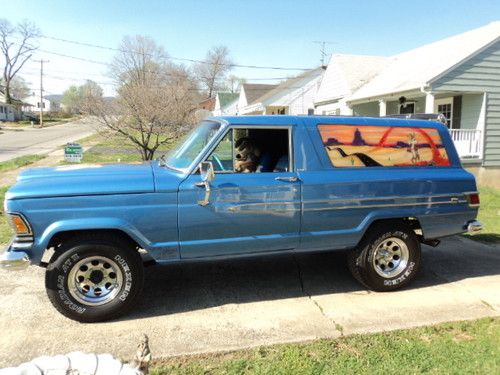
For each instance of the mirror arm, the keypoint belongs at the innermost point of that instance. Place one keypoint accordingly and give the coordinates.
(208, 190)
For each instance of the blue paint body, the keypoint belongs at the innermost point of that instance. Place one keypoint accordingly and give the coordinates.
(327, 208)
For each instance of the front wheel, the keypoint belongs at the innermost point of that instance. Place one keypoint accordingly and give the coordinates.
(387, 258)
(94, 279)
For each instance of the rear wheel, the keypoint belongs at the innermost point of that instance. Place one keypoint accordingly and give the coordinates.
(94, 279)
(387, 258)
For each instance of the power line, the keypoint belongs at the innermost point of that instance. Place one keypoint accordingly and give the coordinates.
(171, 57)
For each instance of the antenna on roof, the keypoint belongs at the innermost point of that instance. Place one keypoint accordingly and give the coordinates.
(322, 50)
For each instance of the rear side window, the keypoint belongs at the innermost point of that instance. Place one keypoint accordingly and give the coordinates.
(382, 146)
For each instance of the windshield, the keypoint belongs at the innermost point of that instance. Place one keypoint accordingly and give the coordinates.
(183, 155)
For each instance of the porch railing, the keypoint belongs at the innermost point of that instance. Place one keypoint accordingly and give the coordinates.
(468, 142)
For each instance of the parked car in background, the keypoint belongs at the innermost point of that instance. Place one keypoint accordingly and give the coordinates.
(243, 186)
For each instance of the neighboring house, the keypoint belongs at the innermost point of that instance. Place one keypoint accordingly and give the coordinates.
(249, 93)
(207, 104)
(55, 102)
(10, 112)
(457, 76)
(226, 104)
(295, 96)
(343, 76)
(33, 103)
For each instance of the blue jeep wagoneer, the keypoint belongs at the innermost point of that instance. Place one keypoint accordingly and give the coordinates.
(239, 186)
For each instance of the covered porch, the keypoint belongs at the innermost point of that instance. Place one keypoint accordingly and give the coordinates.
(465, 114)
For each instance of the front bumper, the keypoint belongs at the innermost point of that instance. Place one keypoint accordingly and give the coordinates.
(14, 258)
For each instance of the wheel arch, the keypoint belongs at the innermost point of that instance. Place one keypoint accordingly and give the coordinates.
(57, 238)
(411, 221)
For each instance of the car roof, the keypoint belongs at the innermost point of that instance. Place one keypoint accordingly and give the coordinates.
(314, 120)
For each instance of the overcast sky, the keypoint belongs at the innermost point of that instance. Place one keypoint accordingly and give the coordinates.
(266, 33)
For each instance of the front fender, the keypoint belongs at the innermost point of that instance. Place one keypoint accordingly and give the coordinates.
(42, 241)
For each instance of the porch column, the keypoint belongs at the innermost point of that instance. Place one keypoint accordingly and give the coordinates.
(382, 107)
(429, 102)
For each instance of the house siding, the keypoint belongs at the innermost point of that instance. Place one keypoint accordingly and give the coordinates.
(480, 74)
(471, 111)
(366, 109)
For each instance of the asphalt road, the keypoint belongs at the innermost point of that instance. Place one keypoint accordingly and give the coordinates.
(206, 307)
(29, 141)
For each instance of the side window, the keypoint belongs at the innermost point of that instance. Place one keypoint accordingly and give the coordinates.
(252, 150)
(377, 146)
(222, 156)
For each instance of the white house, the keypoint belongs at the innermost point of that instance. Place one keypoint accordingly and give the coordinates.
(249, 93)
(226, 104)
(295, 96)
(33, 103)
(9, 112)
(458, 76)
(344, 75)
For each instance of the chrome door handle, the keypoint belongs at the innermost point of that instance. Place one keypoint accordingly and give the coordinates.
(200, 184)
(287, 179)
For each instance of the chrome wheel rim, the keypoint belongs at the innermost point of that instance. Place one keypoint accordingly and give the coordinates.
(390, 257)
(95, 280)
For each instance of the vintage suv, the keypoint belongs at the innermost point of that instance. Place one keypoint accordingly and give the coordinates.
(374, 187)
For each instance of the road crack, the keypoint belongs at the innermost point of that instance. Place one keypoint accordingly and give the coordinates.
(337, 326)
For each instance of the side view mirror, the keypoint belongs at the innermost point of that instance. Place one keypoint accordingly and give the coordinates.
(207, 175)
(207, 171)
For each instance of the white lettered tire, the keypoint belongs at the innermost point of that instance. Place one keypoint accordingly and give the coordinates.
(94, 278)
(387, 258)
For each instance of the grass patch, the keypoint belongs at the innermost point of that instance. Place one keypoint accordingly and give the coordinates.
(112, 148)
(489, 215)
(451, 348)
(5, 230)
(19, 162)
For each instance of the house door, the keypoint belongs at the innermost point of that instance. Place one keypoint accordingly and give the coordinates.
(445, 107)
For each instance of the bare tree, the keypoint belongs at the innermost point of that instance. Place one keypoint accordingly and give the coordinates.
(19, 88)
(233, 83)
(17, 48)
(213, 70)
(156, 101)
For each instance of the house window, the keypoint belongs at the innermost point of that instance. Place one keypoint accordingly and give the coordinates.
(407, 108)
(445, 106)
(1, 109)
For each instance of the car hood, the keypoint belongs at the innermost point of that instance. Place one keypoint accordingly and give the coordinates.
(73, 180)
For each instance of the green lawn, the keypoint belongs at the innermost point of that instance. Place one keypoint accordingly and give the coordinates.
(19, 162)
(5, 230)
(112, 148)
(489, 215)
(453, 348)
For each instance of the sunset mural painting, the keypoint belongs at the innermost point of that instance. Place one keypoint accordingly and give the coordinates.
(377, 146)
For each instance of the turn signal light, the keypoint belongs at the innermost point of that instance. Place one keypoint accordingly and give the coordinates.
(473, 199)
(19, 225)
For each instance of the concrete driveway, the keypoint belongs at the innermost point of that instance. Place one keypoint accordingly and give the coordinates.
(203, 307)
(30, 141)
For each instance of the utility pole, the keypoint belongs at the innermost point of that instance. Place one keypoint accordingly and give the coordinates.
(322, 50)
(41, 61)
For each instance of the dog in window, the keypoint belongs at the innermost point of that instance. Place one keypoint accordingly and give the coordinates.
(247, 157)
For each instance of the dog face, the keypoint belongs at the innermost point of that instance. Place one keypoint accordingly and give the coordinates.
(245, 147)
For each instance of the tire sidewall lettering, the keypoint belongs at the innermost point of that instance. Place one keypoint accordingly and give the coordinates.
(127, 276)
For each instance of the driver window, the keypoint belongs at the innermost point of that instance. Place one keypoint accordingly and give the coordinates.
(222, 156)
(255, 150)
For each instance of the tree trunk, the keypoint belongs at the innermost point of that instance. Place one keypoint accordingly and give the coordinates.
(8, 99)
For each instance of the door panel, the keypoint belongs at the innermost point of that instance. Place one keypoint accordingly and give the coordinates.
(248, 212)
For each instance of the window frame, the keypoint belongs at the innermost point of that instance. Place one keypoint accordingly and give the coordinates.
(288, 128)
(445, 101)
